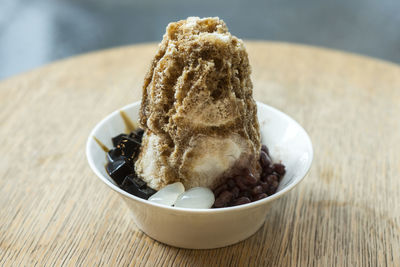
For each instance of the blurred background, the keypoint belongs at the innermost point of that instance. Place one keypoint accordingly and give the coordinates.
(36, 32)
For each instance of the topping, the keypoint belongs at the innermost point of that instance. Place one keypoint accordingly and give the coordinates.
(196, 198)
(244, 188)
(119, 169)
(136, 186)
(120, 164)
(168, 195)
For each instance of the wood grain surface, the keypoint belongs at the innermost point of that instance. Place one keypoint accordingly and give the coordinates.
(55, 211)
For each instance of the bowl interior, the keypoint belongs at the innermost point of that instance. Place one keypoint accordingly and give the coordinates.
(285, 138)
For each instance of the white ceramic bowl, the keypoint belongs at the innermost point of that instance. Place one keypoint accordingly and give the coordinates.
(208, 228)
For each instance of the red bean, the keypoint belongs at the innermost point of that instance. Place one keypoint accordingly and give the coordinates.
(241, 201)
(264, 186)
(223, 199)
(231, 183)
(245, 194)
(264, 160)
(220, 189)
(260, 196)
(235, 191)
(264, 148)
(240, 183)
(257, 190)
(249, 179)
(275, 184)
(272, 188)
(279, 168)
(263, 176)
(267, 171)
(272, 178)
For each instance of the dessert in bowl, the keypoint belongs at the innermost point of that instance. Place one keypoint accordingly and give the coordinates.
(203, 132)
(208, 228)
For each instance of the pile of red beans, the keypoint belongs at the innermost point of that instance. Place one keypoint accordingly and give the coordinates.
(243, 187)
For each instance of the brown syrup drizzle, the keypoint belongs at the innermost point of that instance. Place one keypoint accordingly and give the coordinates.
(130, 126)
(103, 146)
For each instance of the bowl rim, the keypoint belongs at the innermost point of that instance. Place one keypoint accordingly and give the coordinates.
(200, 211)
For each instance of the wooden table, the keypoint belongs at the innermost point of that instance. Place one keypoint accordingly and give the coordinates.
(54, 210)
